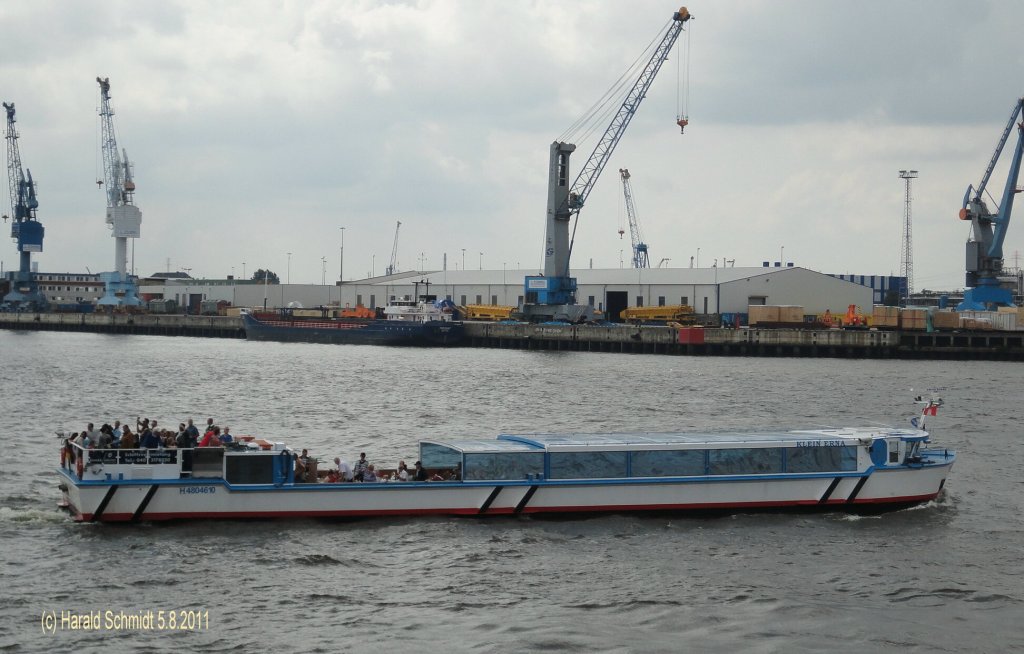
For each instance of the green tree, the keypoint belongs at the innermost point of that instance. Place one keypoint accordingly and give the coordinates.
(267, 276)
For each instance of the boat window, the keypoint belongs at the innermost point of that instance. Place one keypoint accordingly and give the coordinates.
(439, 456)
(745, 461)
(894, 451)
(821, 459)
(207, 462)
(505, 465)
(587, 465)
(250, 468)
(668, 463)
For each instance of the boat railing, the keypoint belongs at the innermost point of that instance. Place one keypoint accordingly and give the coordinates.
(111, 463)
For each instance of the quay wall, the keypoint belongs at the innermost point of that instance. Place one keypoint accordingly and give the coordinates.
(121, 323)
(873, 344)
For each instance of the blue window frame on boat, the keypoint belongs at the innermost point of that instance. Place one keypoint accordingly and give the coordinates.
(503, 465)
(668, 463)
(433, 455)
(587, 465)
(745, 461)
(821, 459)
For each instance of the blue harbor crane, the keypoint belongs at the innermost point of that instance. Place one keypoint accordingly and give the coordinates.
(640, 256)
(123, 218)
(988, 229)
(552, 296)
(26, 230)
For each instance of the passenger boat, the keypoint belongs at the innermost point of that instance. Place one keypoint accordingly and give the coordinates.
(854, 469)
(406, 321)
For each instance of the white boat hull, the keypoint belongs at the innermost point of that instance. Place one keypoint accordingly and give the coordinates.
(119, 501)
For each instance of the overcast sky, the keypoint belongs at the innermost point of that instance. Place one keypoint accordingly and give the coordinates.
(262, 128)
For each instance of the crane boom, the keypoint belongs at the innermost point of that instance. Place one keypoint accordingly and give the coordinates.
(591, 170)
(393, 266)
(641, 259)
(988, 229)
(553, 294)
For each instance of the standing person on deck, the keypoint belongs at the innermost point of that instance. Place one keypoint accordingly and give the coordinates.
(360, 467)
(181, 439)
(344, 469)
(148, 439)
(211, 438)
(193, 434)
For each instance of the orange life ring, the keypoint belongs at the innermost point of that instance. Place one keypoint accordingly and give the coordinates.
(81, 465)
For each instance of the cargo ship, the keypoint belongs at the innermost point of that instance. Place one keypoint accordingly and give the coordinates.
(425, 321)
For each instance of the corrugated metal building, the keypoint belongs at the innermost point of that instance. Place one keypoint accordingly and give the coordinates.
(708, 290)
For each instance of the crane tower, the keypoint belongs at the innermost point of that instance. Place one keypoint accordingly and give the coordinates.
(552, 295)
(907, 253)
(641, 258)
(26, 230)
(985, 276)
(124, 219)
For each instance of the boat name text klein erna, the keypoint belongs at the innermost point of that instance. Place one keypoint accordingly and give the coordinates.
(841, 469)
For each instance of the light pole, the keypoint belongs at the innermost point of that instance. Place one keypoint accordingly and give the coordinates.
(698, 257)
(323, 280)
(504, 289)
(243, 270)
(481, 261)
(782, 257)
(341, 266)
(463, 258)
(373, 265)
(289, 278)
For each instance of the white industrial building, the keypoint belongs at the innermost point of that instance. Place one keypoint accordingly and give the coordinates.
(708, 290)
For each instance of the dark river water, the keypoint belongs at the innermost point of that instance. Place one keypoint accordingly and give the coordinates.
(946, 576)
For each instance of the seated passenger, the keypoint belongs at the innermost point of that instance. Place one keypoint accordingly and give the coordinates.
(226, 438)
(300, 469)
(369, 474)
(403, 472)
(421, 472)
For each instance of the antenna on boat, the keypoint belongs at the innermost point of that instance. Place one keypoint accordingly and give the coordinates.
(929, 407)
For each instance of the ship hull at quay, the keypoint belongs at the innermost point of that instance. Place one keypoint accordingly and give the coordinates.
(353, 331)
